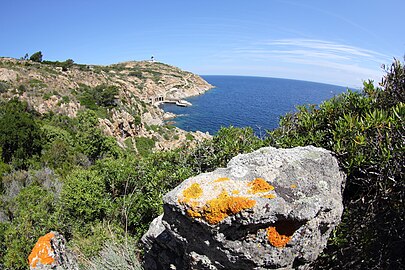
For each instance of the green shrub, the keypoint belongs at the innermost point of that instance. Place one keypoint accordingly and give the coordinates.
(3, 87)
(227, 143)
(137, 185)
(3, 245)
(102, 95)
(189, 137)
(47, 96)
(144, 145)
(33, 216)
(90, 140)
(83, 198)
(36, 57)
(21, 89)
(137, 120)
(20, 135)
(65, 99)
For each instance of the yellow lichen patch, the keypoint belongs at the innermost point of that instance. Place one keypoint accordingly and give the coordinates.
(42, 251)
(192, 192)
(235, 191)
(276, 239)
(259, 185)
(293, 186)
(269, 196)
(221, 179)
(225, 205)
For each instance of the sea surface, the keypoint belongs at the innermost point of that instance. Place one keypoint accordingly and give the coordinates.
(243, 101)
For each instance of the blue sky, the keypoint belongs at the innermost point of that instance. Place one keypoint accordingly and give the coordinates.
(339, 42)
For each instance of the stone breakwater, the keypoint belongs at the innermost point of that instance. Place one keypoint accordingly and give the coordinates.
(270, 209)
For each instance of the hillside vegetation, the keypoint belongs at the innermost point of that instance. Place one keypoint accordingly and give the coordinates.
(63, 173)
(119, 94)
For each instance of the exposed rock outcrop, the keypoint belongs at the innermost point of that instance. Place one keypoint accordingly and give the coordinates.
(270, 209)
(50, 253)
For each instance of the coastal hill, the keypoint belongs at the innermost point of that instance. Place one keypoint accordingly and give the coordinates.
(124, 95)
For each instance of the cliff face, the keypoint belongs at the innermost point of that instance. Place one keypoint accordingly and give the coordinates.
(49, 87)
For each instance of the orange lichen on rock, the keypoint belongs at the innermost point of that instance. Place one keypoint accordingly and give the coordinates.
(259, 185)
(221, 179)
(42, 252)
(225, 205)
(276, 239)
(269, 196)
(193, 192)
(293, 186)
(235, 191)
(193, 213)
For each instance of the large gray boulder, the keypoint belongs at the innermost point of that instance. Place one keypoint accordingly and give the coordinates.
(270, 209)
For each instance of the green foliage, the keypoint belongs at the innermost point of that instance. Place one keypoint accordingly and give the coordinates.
(65, 99)
(47, 96)
(83, 198)
(21, 89)
(20, 135)
(3, 87)
(67, 64)
(102, 95)
(35, 83)
(393, 86)
(144, 145)
(189, 137)
(87, 241)
(59, 155)
(36, 57)
(227, 143)
(117, 256)
(137, 120)
(32, 212)
(138, 184)
(90, 140)
(366, 131)
(3, 246)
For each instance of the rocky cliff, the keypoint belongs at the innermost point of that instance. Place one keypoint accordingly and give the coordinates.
(270, 209)
(48, 87)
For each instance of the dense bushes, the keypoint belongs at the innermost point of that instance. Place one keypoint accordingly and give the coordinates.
(101, 95)
(20, 135)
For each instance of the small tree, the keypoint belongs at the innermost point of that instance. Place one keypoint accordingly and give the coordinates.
(20, 135)
(36, 57)
(67, 64)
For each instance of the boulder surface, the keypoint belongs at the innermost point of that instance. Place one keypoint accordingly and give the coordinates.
(50, 253)
(270, 209)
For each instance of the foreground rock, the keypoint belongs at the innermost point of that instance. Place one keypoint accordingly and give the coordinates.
(50, 253)
(270, 209)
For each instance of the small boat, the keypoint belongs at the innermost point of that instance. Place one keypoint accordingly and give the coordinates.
(183, 103)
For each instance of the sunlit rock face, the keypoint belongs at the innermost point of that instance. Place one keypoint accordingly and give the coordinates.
(270, 209)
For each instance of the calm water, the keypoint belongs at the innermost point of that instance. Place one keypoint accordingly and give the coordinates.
(248, 101)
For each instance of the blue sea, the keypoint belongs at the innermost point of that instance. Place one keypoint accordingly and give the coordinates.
(243, 101)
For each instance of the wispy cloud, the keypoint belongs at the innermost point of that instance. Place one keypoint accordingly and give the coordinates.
(326, 46)
(338, 63)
